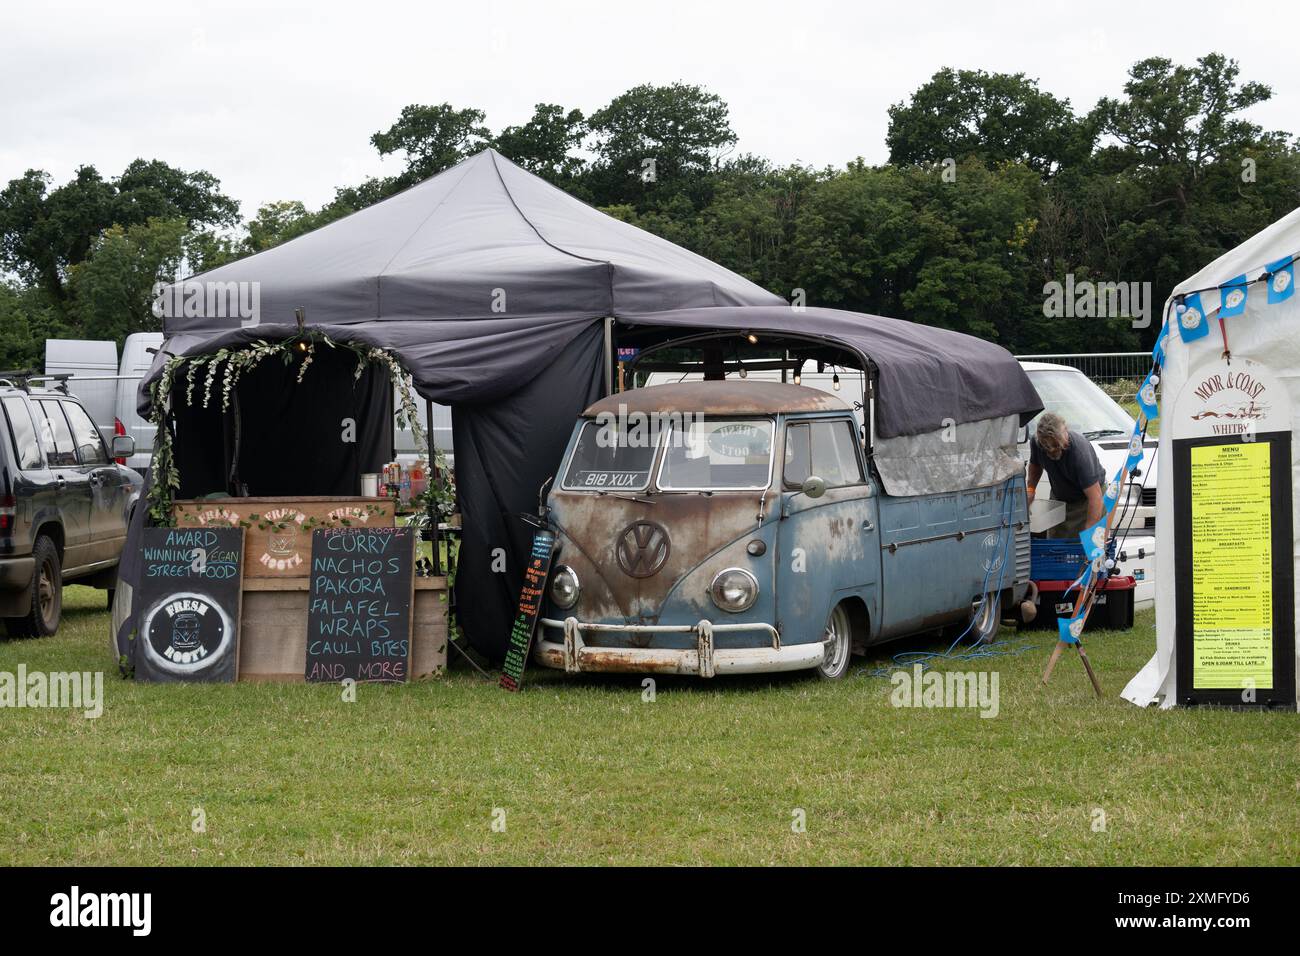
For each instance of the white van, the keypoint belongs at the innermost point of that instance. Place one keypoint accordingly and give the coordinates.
(88, 369)
(136, 359)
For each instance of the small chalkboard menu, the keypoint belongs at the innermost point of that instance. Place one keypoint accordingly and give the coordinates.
(530, 606)
(359, 604)
(190, 593)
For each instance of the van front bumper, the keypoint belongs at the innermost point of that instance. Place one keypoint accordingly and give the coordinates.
(574, 655)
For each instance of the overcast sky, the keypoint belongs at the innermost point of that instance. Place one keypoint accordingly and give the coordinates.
(278, 100)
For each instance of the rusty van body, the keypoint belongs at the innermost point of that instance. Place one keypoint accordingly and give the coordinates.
(730, 527)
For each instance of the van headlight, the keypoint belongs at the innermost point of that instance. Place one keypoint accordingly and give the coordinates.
(734, 590)
(564, 587)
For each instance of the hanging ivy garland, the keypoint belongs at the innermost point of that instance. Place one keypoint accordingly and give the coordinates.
(232, 364)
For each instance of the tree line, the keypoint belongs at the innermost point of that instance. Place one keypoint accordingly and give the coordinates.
(994, 190)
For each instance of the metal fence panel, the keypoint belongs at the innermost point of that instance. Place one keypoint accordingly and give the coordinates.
(1118, 373)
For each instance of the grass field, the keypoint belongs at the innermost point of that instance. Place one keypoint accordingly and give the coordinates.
(586, 772)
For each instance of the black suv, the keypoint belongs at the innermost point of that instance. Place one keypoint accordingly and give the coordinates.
(64, 505)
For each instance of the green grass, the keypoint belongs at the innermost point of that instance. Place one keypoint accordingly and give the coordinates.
(587, 773)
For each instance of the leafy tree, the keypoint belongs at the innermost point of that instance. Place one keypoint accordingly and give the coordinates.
(151, 189)
(278, 222)
(113, 287)
(432, 138)
(995, 117)
(1175, 122)
(1180, 176)
(26, 321)
(43, 232)
(545, 145)
(654, 142)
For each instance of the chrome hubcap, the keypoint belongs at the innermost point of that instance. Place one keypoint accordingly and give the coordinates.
(837, 642)
(985, 619)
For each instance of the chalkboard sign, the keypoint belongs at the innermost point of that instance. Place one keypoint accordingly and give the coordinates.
(530, 606)
(359, 604)
(190, 593)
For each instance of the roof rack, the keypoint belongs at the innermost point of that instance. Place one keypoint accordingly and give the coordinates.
(26, 379)
(17, 378)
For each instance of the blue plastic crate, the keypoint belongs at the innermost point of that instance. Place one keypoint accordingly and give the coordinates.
(1059, 559)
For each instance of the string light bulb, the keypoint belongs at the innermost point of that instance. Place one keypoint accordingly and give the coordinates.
(751, 338)
(835, 381)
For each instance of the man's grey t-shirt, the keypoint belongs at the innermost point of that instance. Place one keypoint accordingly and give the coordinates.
(1076, 469)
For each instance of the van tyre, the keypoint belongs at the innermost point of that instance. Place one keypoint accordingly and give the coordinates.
(838, 643)
(45, 606)
(986, 618)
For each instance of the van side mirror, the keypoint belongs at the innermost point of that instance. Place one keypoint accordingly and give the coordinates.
(123, 446)
(813, 486)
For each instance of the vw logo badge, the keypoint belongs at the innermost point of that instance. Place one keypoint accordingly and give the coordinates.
(642, 549)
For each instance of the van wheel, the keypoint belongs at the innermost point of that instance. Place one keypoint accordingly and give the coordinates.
(46, 604)
(986, 618)
(839, 644)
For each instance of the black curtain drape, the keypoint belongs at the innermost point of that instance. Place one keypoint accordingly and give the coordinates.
(285, 437)
(505, 451)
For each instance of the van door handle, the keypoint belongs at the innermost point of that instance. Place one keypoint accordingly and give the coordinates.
(868, 526)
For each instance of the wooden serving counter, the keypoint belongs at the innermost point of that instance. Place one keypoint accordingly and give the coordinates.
(276, 579)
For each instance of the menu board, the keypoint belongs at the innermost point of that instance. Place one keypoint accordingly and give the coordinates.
(530, 607)
(359, 604)
(1232, 566)
(190, 585)
(1234, 580)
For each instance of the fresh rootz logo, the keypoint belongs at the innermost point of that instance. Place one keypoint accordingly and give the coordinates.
(282, 545)
(186, 633)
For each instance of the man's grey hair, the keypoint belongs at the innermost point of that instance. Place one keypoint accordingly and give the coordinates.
(1052, 428)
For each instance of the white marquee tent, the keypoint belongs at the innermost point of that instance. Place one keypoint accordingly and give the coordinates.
(1253, 389)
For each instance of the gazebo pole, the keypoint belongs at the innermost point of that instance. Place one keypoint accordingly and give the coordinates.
(430, 510)
(609, 355)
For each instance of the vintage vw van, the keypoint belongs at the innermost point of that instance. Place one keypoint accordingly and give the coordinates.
(729, 527)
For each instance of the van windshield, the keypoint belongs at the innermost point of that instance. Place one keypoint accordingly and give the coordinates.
(609, 458)
(718, 455)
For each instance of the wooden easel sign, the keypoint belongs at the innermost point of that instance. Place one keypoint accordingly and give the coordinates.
(530, 609)
(359, 605)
